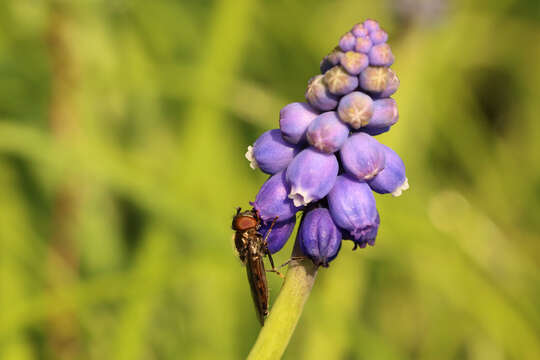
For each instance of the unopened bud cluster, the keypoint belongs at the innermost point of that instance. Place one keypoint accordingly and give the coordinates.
(324, 160)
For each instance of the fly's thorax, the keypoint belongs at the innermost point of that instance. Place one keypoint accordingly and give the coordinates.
(256, 246)
(249, 243)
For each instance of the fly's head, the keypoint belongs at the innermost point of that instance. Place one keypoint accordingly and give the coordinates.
(245, 224)
(246, 220)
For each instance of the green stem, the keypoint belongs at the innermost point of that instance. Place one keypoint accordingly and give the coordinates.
(280, 324)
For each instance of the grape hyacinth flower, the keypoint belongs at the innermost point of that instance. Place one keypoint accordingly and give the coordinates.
(355, 109)
(294, 120)
(354, 63)
(359, 30)
(270, 152)
(336, 167)
(363, 44)
(362, 156)
(339, 82)
(371, 25)
(347, 42)
(325, 160)
(331, 60)
(352, 206)
(318, 96)
(311, 176)
(320, 238)
(281, 232)
(327, 133)
(381, 55)
(374, 79)
(385, 114)
(378, 36)
(272, 200)
(392, 178)
(335, 56)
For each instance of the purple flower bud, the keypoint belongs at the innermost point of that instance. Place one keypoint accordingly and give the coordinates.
(272, 200)
(352, 207)
(385, 113)
(281, 232)
(359, 30)
(354, 62)
(335, 56)
(355, 109)
(381, 55)
(318, 95)
(339, 82)
(320, 238)
(327, 133)
(375, 131)
(270, 152)
(392, 84)
(311, 175)
(294, 120)
(378, 36)
(347, 42)
(331, 60)
(392, 178)
(374, 79)
(362, 156)
(371, 25)
(363, 44)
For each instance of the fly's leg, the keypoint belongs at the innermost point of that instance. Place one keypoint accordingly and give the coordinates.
(277, 273)
(273, 269)
(265, 244)
(293, 258)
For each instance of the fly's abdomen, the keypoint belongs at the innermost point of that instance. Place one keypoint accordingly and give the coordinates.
(259, 286)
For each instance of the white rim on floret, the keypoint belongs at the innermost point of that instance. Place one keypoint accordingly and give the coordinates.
(299, 197)
(251, 157)
(404, 186)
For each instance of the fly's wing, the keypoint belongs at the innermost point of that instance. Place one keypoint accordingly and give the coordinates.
(259, 287)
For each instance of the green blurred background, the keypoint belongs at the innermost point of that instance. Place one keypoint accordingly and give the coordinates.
(123, 128)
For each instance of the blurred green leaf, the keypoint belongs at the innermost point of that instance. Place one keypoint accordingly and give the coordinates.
(168, 95)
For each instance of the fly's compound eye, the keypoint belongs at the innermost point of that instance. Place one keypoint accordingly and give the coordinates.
(243, 223)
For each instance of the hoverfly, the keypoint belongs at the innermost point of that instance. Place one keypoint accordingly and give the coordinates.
(252, 248)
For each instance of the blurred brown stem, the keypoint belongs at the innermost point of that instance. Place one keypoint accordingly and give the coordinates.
(63, 260)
